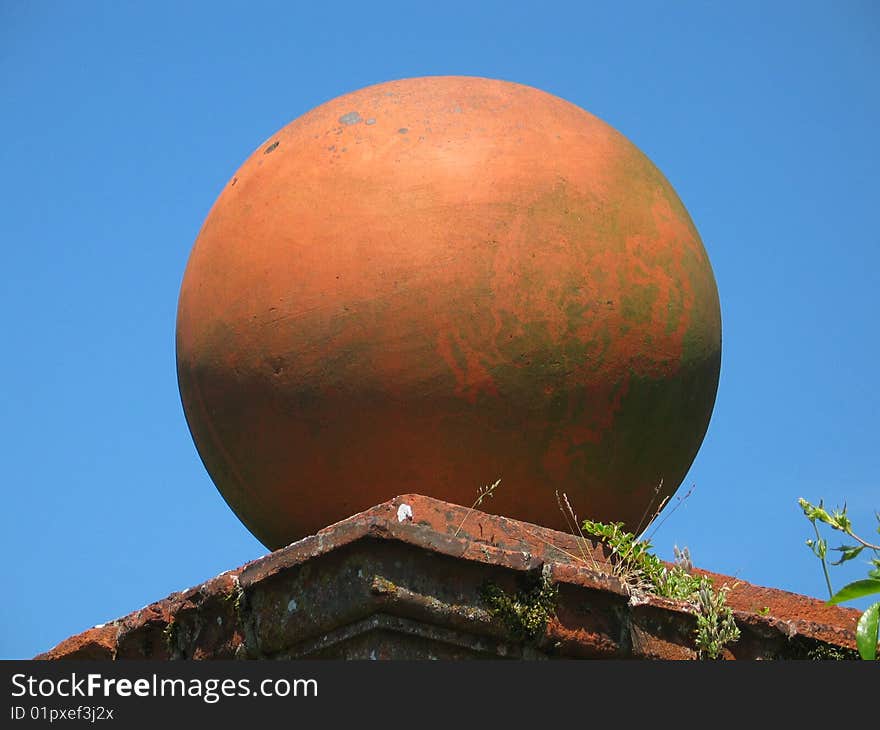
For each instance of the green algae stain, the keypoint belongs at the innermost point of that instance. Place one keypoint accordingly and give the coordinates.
(615, 435)
(655, 434)
(674, 309)
(638, 301)
(702, 337)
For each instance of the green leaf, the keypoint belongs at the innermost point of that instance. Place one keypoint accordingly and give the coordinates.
(866, 632)
(848, 552)
(821, 515)
(858, 589)
(839, 520)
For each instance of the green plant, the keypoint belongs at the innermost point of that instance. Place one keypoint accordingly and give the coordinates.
(715, 624)
(169, 637)
(822, 652)
(837, 519)
(644, 573)
(525, 613)
(236, 597)
(638, 568)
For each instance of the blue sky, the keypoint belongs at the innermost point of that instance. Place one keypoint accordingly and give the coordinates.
(121, 122)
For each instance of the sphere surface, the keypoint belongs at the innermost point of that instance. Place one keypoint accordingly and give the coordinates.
(428, 284)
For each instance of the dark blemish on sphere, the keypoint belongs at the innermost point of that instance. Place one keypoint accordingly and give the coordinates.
(350, 118)
(402, 130)
(234, 180)
(270, 148)
(277, 364)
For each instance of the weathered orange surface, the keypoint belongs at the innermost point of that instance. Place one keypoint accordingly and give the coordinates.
(432, 283)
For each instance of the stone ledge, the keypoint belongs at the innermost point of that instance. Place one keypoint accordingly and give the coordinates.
(404, 579)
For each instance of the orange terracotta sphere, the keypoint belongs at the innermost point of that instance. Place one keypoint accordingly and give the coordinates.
(430, 284)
